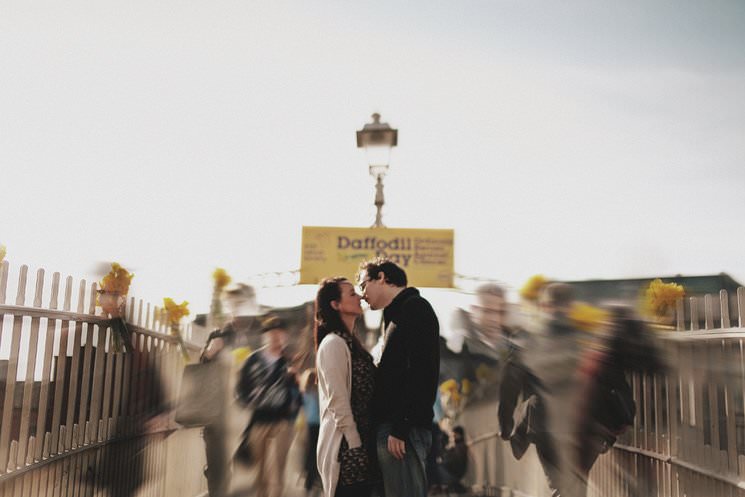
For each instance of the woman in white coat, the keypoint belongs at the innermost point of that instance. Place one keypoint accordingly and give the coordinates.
(346, 380)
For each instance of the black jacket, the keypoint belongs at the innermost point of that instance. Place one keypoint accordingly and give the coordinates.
(407, 376)
(268, 389)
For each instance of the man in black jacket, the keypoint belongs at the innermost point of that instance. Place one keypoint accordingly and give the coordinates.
(406, 380)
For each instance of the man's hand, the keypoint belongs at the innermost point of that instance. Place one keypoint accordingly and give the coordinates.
(396, 447)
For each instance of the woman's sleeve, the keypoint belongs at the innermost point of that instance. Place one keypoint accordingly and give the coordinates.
(333, 368)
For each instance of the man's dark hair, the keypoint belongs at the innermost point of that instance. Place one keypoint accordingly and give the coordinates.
(393, 272)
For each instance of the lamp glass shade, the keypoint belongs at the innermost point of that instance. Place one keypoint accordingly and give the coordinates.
(378, 155)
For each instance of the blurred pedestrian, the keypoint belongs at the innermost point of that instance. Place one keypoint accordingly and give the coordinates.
(607, 407)
(543, 375)
(217, 352)
(454, 462)
(309, 389)
(268, 387)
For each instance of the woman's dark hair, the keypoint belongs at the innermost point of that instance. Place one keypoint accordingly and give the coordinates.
(328, 319)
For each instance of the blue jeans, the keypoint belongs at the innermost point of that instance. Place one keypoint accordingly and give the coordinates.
(406, 477)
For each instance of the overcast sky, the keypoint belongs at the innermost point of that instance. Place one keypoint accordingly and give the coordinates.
(586, 139)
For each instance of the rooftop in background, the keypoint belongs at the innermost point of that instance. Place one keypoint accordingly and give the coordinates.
(629, 290)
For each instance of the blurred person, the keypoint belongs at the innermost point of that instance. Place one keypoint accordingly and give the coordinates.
(407, 379)
(454, 461)
(486, 341)
(346, 383)
(245, 317)
(543, 375)
(149, 422)
(223, 349)
(268, 387)
(488, 338)
(607, 407)
(217, 351)
(309, 389)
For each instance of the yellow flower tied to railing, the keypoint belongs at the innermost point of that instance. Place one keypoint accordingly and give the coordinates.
(532, 288)
(174, 313)
(587, 317)
(660, 298)
(117, 281)
(112, 295)
(221, 278)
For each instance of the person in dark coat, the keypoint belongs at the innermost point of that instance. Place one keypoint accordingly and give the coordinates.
(268, 387)
(607, 408)
(407, 377)
(454, 461)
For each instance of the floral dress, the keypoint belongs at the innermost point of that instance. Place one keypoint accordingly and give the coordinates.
(358, 465)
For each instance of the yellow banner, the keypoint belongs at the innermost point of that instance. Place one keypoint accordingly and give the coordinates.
(425, 255)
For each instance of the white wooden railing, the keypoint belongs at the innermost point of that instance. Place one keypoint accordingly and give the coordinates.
(689, 434)
(688, 437)
(74, 411)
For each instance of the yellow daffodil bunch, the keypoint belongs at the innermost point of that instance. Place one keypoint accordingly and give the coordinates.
(587, 317)
(453, 396)
(111, 297)
(174, 311)
(221, 279)
(449, 386)
(532, 288)
(113, 290)
(117, 281)
(173, 314)
(659, 297)
(450, 395)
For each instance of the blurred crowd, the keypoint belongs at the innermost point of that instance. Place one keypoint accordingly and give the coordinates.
(556, 379)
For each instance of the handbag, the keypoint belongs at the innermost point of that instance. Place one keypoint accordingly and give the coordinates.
(203, 393)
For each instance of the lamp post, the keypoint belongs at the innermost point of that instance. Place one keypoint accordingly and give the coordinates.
(378, 139)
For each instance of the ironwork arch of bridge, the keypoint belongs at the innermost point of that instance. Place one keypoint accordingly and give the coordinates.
(74, 409)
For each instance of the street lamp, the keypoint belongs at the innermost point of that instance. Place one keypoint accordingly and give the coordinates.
(378, 139)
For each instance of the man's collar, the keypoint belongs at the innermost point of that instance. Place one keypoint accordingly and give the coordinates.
(393, 310)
